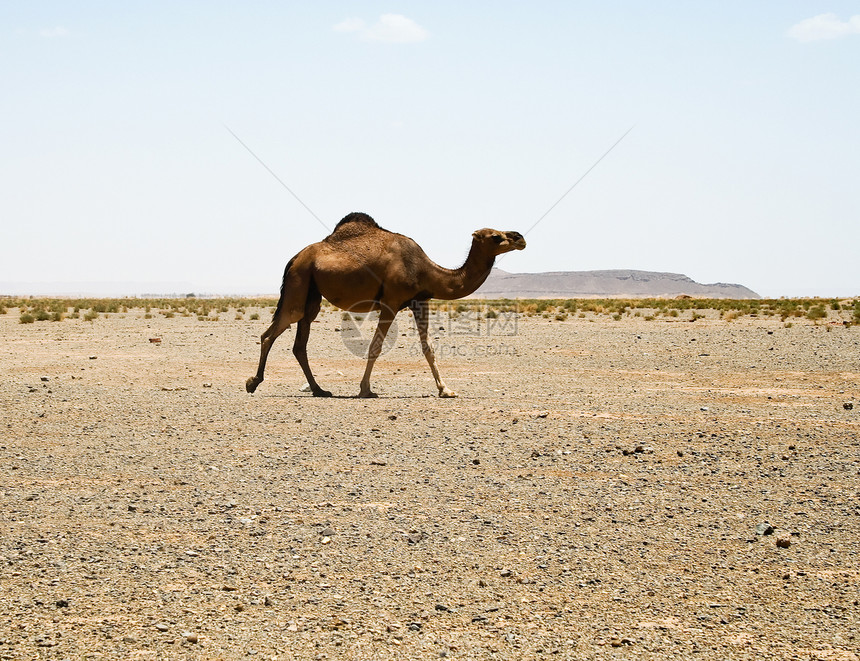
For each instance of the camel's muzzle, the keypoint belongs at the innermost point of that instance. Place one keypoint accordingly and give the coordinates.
(516, 240)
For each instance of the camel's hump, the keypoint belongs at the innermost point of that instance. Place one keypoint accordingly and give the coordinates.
(357, 217)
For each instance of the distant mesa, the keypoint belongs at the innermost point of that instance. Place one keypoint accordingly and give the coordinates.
(619, 283)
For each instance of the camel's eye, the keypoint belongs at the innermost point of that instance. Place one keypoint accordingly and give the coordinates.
(498, 238)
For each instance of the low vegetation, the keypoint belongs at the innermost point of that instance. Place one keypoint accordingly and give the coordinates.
(817, 310)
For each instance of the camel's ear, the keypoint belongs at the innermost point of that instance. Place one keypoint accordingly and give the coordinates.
(475, 234)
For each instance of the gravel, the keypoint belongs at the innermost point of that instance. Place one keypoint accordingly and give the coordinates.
(597, 490)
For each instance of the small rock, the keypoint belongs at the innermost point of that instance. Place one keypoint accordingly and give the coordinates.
(392, 417)
(475, 462)
(45, 378)
(414, 626)
(848, 405)
(190, 636)
(328, 531)
(443, 608)
(207, 385)
(783, 542)
(305, 388)
(415, 537)
(621, 642)
(505, 573)
(162, 627)
(62, 603)
(764, 529)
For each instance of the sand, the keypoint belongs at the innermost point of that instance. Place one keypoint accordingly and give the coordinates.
(600, 489)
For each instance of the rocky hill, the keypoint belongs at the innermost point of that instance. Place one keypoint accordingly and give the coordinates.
(603, 284)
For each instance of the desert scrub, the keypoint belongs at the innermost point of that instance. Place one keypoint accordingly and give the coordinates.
(26, 318)
(254, 316)
(816, 312)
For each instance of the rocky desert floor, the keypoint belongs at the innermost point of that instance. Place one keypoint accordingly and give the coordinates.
(600, 489)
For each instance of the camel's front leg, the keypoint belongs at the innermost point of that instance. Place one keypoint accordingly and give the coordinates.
(386, 316)
(421, 311)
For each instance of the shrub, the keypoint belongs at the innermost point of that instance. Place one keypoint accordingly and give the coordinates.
(27, 318)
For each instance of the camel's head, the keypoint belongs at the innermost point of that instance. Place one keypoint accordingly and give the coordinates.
(498, 242)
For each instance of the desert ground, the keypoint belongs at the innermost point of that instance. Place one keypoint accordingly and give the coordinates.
(633, 488)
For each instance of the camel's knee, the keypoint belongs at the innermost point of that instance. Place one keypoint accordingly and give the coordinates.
(279, 325)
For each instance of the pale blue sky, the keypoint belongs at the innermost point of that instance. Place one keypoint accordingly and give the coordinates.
(437, 119)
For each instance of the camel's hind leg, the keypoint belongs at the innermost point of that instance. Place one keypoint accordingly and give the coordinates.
(300, 346)
(291, 308)
(280, 323)
(421, 312)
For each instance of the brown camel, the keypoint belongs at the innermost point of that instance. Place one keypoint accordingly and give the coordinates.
(361, 267)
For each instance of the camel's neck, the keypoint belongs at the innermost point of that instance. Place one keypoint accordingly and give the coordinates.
(449, 284)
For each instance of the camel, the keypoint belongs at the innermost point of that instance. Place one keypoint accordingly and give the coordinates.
(361, 267)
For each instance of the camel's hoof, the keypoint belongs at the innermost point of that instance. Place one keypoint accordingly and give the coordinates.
(367, 395)
(251, 384)
(447, 393)
(319, 392)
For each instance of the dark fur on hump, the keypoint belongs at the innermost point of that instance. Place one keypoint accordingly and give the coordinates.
(356, 217)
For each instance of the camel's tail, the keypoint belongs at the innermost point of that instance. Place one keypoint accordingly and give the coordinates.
(283, 289)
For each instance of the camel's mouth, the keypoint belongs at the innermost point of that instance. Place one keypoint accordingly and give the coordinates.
(516, 240)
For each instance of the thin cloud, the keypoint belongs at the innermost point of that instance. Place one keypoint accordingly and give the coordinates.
(53, 33)
(824, 26)
(389, 29)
